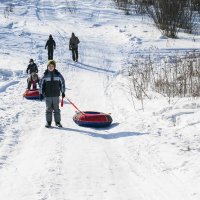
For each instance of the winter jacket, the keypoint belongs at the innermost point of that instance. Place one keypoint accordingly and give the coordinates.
(52, 84)
(50, 44)
(73, 43)
(32, 68)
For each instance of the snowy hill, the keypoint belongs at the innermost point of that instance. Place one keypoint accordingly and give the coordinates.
(149, 154)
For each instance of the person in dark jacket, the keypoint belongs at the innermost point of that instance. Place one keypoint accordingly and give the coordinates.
(51, 85)
(32, 70)
(73, 46)
(50, 46)
(32, 67)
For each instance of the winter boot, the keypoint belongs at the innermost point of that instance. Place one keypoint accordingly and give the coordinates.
(58, 124)
(48, 125)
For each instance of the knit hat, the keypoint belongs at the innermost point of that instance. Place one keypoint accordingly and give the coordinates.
(31, 60)
(51, 62)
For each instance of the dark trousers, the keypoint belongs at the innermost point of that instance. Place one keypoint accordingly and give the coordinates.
(50, 54)
(75, 54)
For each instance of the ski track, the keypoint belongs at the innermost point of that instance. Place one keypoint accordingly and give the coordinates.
(75, 162)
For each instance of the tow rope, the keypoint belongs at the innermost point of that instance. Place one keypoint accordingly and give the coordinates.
(62, 102)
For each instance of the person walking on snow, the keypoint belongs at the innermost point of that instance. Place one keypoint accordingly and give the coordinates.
(73, 46)
(51, 85)
(50, 46)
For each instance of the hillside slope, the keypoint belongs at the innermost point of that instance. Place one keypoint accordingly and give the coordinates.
(144, 155)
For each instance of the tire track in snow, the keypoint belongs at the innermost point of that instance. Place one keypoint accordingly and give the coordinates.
(51, 185)
(13, 112)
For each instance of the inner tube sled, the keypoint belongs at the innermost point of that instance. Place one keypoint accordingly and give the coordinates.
(32, 94)
(92, 119)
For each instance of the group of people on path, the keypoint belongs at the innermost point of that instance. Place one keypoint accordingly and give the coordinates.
(52, 84)
(73, 46)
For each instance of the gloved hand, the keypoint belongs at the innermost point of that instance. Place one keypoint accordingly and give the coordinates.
(63, 95)
(41, 97)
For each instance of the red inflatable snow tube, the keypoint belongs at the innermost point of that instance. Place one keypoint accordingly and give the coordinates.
(92, 119)
(32, 94)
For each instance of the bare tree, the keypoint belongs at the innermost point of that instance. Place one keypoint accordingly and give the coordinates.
(125, 5)
(170, 16)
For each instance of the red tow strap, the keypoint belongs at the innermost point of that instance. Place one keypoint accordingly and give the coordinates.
(72, 105)
(62, 102)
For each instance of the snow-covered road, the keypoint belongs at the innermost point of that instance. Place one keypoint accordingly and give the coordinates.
(143, 155)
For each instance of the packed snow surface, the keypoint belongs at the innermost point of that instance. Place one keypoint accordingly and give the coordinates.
(146, 154)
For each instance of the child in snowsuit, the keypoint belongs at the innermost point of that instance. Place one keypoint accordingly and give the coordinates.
(32, 70)
(51, 85)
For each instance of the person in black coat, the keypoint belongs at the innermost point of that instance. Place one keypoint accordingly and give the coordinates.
(73, 46)
(32, 67)
(50, 45)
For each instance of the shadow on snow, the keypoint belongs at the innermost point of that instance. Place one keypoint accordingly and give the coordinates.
(107, 136)
(91, 68)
